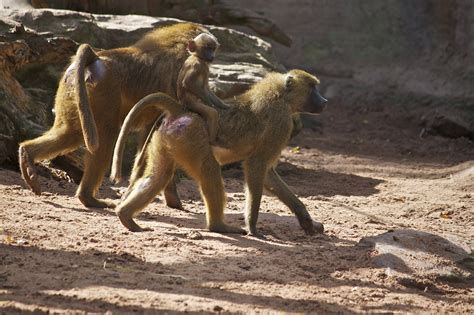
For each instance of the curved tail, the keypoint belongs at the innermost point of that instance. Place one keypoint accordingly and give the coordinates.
(160, 101)
(85, 56)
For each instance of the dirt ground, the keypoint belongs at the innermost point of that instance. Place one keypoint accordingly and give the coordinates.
(398, 211)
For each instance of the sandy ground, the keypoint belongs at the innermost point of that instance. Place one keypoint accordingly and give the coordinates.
(398, 211)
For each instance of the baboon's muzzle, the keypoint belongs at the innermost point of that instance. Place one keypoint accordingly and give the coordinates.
(317, 101)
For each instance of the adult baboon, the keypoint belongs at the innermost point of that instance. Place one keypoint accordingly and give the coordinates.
(95, 94)
(254, 130)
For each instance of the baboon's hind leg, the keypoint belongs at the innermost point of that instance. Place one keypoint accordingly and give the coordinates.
(208, 175)
(170, 193)
(95, 167)
(96, 164)
(54, 142)
(144, 191)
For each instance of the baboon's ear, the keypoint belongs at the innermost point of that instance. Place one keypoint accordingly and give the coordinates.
(289, 81)
(192, 46)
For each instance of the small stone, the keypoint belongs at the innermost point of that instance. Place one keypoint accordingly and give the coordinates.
(194, 235)
(217, 308)
(245, 267)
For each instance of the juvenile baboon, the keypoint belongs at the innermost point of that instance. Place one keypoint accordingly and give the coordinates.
(95, 94)
(254, 130)
(193, 82)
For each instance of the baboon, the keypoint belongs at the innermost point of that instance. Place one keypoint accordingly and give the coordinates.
(193, 82)
(95, 94)
(254, 130)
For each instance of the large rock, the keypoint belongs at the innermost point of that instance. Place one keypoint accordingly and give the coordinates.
(409, 254)
(36, 45)
(200, 11)
(109, 31)
(451, 121)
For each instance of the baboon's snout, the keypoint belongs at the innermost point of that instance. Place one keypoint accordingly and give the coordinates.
(318, 101)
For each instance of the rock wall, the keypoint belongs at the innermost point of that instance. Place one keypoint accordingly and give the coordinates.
(423, 46)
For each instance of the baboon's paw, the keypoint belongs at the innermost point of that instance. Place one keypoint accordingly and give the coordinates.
(130, 224)
(92, 202)
(319, 227)
(32, 181)
(28, 172)
(256, 234)
(224, 228)
(175, 204)
(311, 227)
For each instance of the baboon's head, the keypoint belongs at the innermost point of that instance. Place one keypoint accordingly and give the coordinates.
(204, 46)
(303, 92)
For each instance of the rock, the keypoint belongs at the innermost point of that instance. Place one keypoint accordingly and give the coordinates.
(214, 12)
(194, 235)
(36, 45)
(242, 59)
(412, 252)
(218, 308)
(450, 121)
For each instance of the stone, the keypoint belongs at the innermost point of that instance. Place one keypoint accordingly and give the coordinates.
(450, 121)
(416, 253)
(36, 45)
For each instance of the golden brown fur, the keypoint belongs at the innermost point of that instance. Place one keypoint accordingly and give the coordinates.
(254, 130)
(92, 101)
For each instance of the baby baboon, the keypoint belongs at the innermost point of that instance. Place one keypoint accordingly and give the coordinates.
(95, 94)
(193, 87)
(254, 130)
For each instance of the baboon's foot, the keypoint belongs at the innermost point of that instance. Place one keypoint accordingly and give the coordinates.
(311, 227)
(224, 228)
(92, 202)
(28, 172)
(128, 222)
(255, 233)
(178, 205)
(173, 202)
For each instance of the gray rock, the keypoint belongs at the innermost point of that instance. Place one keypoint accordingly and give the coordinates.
(242, 59)
(412, 252)
(450, 121)
(36, 45)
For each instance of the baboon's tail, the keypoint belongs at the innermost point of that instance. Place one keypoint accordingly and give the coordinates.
(160, 101)
(85, 56)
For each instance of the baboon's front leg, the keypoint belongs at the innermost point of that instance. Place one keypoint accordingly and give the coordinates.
(275, 185)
